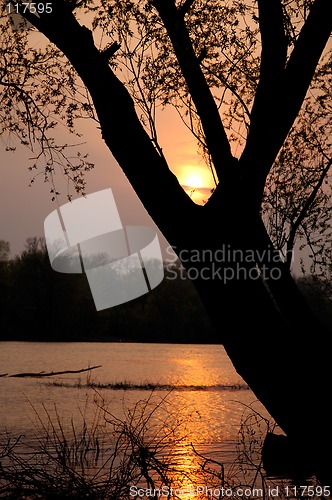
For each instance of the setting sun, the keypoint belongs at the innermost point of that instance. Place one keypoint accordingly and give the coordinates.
(197, 181)
(194, 181)
(195, 177)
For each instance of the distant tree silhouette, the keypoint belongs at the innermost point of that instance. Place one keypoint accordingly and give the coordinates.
(39, 304)
(235, 72)
(4, 250)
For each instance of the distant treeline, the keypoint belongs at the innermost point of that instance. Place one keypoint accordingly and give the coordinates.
(37, 303)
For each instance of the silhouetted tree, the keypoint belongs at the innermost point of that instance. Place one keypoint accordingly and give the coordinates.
(4, 251)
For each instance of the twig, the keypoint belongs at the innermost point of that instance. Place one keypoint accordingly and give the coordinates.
(50, 374)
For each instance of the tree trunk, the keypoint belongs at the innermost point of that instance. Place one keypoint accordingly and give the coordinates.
(274, 340)
(262, 323)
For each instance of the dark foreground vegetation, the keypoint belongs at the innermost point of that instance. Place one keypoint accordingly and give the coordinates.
(107, 458)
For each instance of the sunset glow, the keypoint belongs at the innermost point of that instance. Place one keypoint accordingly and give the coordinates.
(197, 181)
(195, 177)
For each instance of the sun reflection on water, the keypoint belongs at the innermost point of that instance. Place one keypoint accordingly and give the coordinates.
(190, 428)
(192, 473)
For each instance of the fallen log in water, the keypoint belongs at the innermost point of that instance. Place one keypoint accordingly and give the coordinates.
(51, 374)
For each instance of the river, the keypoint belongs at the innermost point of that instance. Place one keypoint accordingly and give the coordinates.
(205, 398)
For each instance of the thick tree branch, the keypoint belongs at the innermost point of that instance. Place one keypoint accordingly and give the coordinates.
(280, 96)
(109, 51)
(146, 169)
(274, 41)
(304, 60)
(185, 7)
(229, 87)
(215, 135)
(273, 61)
(51, 374)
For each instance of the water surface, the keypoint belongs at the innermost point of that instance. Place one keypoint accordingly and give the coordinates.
(210, 409)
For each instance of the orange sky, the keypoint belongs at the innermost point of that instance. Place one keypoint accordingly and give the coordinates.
(23, 209)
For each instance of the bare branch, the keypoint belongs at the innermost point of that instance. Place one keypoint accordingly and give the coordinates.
(229, 87)
(304, 211)
(278, 101)
(274, 41)
(215, 135)
(109, 51)
(185, 7)
(51, 374)
(122, 130)
(305, 57)
(273, 61)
